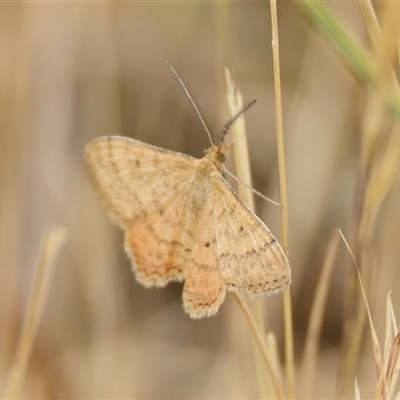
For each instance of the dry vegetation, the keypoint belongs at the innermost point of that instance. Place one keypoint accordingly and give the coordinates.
(72, 71)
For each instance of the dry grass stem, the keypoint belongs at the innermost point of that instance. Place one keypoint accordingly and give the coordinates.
(287, 302)
(242, 161)
(380, 388)
(392, 366)
(310, 356)
(379, 166)
(357, 394)
(240, 144)
(52, 244)
(391, 326)
(270, 361)
(391, 350)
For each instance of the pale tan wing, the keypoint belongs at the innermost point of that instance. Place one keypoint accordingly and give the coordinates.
(160, 244)
(204, 289)
(249, 256)
(134, 179)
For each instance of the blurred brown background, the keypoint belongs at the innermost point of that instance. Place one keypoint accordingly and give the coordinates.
(70, 72)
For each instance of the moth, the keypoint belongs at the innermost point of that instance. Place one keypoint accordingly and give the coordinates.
(183, 222)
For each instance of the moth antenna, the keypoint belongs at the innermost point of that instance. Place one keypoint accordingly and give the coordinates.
(252, 189)
(191, 101)
(229, 124)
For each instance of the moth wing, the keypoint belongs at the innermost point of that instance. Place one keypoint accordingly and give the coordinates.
(249, 256)
(134, 179)
(160, 244)
(205, 288)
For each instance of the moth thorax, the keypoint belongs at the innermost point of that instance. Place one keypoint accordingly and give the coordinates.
(216, 154)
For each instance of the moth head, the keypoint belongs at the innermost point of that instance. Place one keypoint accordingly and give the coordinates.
(217, 154)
